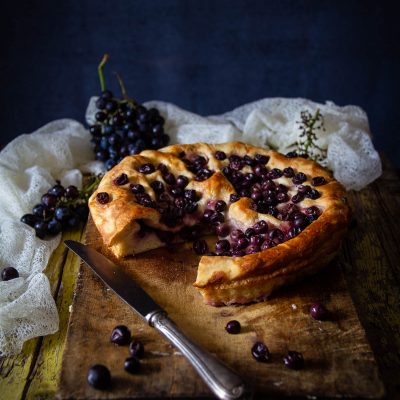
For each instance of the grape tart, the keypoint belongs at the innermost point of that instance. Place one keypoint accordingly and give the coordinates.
(277, 218)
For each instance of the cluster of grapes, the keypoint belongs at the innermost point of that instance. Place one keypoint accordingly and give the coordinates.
(59, 209)
(124, 127)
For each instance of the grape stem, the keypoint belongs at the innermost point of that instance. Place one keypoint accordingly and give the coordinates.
(100, 70)
(121, 85)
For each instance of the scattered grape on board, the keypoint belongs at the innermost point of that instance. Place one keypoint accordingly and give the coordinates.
(61, 208)
(123, 126)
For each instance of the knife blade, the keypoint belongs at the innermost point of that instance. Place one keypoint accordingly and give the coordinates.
(222, 380)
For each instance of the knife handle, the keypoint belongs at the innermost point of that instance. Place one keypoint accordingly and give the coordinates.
(222, 381)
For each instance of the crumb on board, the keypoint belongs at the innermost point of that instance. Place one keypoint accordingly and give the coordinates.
(294, 306)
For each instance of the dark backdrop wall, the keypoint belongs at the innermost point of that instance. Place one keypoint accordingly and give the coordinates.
(205, 56)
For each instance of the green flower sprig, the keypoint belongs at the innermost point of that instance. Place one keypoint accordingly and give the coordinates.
(308, 125)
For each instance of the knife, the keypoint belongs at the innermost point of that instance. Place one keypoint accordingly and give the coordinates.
(221, 380)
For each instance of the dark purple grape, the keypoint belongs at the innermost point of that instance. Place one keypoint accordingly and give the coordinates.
(294, 360)
(313, 194)
(259, 170)
(297, 198)
(49, 200)
(136, 349)
(57, 190)
(261, 207)
(133, 135)
(222, 245)
(276, 235)
(95, 130)
(303, 189)
(261, 158)
(182, 181)
(260, 227)
(288, 172)
(318, 181)
(106, 94)
(9, 273)
(220, 155)
(300, 220)
(249, 161)
(268, 185)
(146, 169)
(256, 240)
(103, 197)
(169, 178)
(282, 197)
(145, 200)
(220, 206)
(40, 229)
(299, 178)
(242, 243)
(256, 196)
(132, 365)
(293, 232)
(121, 180)
(190, 195)
(100, 116)
(217, 217)
(233, 327)
(207, 215)
(236, 234)
(275, 173)
(312, 212)
(157, 186)
(137, 188)
(291, 154)
(222, 230)
(176, 191)
(249, 233)
(39, 210)
(29, 219)
(200, 246)
(62, 213)
(99, 377)
(71, 192)
(120, 335)
(101, 103)
(260, 352)
(267, 244)
(233, 198)
(108, 130)
(318, 312)
(54, 227)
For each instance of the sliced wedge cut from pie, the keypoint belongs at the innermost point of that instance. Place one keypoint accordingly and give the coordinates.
(276, 218)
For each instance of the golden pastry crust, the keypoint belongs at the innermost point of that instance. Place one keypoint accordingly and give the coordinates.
(224, 279)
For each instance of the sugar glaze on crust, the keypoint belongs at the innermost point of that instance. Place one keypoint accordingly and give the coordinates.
(224, 279)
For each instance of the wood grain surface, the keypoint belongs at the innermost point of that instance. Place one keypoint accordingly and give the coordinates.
(338, 358)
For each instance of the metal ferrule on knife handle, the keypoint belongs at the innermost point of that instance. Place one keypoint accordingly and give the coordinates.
(222, 381)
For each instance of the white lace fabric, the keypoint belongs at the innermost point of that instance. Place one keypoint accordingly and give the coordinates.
(30, 164)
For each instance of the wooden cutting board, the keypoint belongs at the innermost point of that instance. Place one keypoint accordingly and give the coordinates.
(338, 358)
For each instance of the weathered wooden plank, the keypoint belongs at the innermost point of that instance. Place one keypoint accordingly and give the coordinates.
(44, 379)
(18, 372)
(370, 260)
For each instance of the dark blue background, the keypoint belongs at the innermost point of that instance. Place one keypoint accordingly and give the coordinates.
(205, 56)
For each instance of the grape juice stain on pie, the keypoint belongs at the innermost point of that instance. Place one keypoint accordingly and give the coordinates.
(275, 218)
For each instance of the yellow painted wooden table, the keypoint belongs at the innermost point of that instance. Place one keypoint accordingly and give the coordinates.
(373, 278)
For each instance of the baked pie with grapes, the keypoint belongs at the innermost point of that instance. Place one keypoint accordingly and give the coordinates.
(275, 218)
